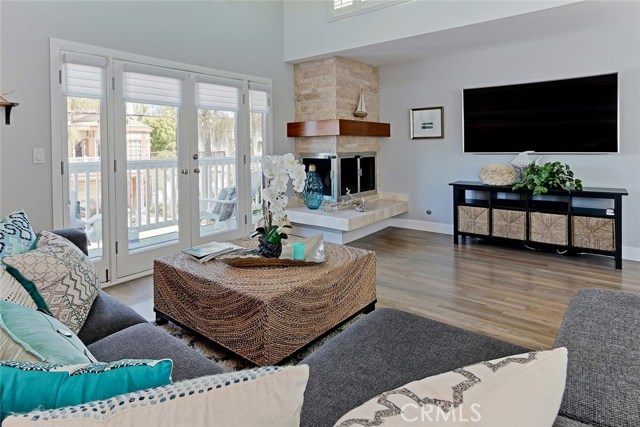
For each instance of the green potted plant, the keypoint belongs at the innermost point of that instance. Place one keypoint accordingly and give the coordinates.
(550, 176)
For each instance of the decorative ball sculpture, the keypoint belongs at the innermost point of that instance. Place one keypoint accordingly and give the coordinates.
(498, 174)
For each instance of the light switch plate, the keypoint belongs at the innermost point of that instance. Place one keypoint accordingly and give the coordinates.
(38, 156)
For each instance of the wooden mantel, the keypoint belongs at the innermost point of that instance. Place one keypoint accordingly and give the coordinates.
(338, 127)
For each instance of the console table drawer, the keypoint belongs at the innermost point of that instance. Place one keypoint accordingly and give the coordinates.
(593, 233)
(473, 220)
(548, 228)
(508, 224)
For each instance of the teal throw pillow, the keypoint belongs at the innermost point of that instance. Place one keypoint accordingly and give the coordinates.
(16, 234)
(27, 334)
(26, 386)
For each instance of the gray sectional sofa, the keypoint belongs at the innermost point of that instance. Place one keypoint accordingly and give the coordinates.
(389, 348)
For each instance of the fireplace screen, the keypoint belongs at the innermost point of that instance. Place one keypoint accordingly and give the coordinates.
(356, 172)
(324, 168)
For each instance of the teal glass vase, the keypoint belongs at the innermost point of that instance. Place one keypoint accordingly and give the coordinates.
(313, 193)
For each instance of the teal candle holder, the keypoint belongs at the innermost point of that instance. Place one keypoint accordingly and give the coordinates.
(297, 252)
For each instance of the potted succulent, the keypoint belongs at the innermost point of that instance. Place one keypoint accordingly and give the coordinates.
(549, 176)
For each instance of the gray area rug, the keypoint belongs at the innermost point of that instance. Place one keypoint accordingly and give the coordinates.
(231, 361)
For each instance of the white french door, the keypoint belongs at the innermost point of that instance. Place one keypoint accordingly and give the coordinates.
(219, 195)
(151, 170)
(160, 156)
(81, 103)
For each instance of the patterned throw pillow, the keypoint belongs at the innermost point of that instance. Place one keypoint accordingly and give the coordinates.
(521, 390)
(16, 234)
(265, 397)
(50, 385)
(11, 290)
(59, 277)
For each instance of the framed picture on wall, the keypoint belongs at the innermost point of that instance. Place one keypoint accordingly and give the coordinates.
(427, 123)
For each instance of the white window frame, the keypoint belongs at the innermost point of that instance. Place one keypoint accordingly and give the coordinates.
(359, 7)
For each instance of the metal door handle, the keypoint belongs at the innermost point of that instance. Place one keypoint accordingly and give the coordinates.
(196, 170)
(184, 171)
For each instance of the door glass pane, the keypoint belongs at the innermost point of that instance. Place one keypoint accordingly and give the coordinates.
(368, 176)
(259, 135)
(217, 148)
(323, 167)
(348, 175)
(152, 175)
(85, 179)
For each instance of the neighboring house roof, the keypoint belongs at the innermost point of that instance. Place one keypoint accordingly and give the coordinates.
(91, 121)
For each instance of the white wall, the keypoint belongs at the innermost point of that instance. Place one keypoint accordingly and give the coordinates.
(244, 37)
(424, 168)
(308, 34)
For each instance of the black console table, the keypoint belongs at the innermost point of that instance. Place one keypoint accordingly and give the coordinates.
(579, 221)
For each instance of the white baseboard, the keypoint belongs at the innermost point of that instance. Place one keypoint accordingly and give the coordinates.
(415, 224)
(629, 253)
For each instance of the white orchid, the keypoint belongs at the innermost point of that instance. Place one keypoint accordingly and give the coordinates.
(277, 171)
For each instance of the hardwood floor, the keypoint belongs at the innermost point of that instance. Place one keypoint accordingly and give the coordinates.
(516, 295)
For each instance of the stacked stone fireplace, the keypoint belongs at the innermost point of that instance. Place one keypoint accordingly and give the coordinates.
(329, 89)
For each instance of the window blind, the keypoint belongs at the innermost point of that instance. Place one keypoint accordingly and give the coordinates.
(259, 101)
(259, 97)
(83, 75)
(217, 97)
(152, 89)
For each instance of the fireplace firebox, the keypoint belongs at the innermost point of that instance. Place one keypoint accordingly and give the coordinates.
(339, 172)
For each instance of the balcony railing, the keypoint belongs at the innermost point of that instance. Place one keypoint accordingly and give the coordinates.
(152, 188)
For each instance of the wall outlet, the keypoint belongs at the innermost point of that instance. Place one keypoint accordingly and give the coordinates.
(38, 156)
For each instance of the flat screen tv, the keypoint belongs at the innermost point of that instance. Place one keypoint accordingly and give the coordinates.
(578, 115)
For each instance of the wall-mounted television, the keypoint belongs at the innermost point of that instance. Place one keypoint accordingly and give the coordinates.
(578, 115)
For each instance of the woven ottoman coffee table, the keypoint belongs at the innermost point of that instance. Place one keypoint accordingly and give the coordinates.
(264, 314)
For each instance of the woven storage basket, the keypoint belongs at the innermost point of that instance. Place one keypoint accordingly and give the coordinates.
(593, 233)
(548, 228)
(508, 223)
(473, 220)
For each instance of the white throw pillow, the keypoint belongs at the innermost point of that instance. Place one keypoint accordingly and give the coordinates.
(265, 397)
(11, 290)
(523, 390)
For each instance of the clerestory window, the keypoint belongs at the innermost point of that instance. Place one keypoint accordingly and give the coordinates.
(344, 8)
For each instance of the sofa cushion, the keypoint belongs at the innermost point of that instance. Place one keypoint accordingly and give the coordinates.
(77, 236)
(16, 234)
(59, 277)
(265, 397)
(601, 330)
(148, 341)
(28, 385)
(566, 422)
(107, 316)
(11, 290)
(382, 351)
(482, 393)
(27, 334)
